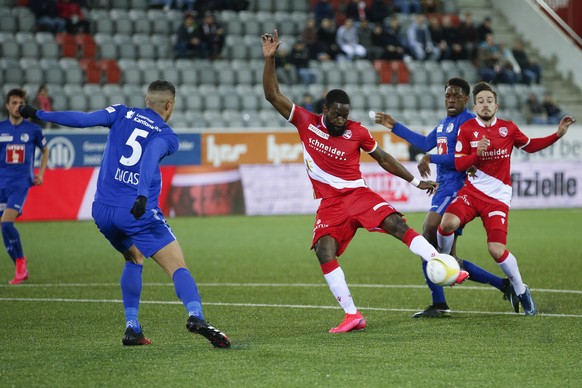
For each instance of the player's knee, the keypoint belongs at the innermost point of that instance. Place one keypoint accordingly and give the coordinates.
(496, 250)
(395, 225)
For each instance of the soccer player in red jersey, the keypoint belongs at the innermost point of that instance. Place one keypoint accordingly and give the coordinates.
(484, 146)
(331, 145)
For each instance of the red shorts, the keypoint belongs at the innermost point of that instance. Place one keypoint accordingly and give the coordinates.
(340, 217)
(494, 214)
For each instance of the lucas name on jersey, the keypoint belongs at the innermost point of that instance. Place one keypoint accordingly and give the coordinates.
(128, 177)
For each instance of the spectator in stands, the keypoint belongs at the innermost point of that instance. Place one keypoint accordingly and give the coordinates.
(419, 40)
(365, 38)
(166, 5)
(531, 72)
(386, 44)
(534, 111)
(323, 10)
(347, 40)
(493, 65)
(469, 36)
(309, 36)
(438, 38)
(213, 36)
(356, 10)
(320, 103)
(286, 71)
(377, 11)
(42, 101)
(454, 40)
(328, 47)
(46, 15)
(189, 43)
(299, 57)
(485, 29)
(430, 6)
(74, 17)
(407, 6)
(553, 111)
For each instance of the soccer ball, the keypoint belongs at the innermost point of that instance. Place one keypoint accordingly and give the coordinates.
(443, 270)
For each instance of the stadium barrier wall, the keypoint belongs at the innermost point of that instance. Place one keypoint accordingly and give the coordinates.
(260, 173)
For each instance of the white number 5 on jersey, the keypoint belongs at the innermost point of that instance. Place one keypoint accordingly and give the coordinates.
(136, 149)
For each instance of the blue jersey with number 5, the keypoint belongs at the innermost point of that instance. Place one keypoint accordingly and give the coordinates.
(132, 131)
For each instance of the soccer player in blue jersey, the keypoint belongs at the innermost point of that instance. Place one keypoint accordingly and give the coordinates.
(444, 138)
(19, 139)
(125, 207)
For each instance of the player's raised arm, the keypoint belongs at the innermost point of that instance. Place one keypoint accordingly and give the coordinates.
(270, 84)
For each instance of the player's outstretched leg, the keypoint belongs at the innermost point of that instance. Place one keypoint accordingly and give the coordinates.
(527, 302)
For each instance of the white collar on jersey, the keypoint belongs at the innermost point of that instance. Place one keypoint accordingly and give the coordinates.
(483, 125)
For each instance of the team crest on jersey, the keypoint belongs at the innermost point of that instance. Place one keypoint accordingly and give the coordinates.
(129, 114)
(503, 131)
(450, 127)
(24, 137)
(458, 146)
(347, 134)
(440, 128)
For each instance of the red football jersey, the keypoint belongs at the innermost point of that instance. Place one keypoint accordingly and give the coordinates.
(332, 162)
(493, 168)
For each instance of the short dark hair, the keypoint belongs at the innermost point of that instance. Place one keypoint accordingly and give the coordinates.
(16, 92)
(336, 95)
(456, 81)
(162, 86)
(481, 86)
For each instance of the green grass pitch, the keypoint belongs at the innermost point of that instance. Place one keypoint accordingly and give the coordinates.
(262, 285)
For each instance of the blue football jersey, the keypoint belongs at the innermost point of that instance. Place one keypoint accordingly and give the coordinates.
(17, 148)
(445, 139)
(132, 130)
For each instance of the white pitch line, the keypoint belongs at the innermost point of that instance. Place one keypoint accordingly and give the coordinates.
(267, 305)
(169, 284)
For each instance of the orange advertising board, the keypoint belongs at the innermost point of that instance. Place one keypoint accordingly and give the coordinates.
(231, 149)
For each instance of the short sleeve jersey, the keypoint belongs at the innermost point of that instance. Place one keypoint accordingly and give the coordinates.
(17, 148)
(132, 129)
(492, 178)
(332, 162)
(445, 135)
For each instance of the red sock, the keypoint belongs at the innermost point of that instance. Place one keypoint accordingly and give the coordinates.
(443, 233)
(329, 266)
(409, 236)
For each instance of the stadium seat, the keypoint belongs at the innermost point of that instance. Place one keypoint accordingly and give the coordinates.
(126, 49)
(52, 71)
(110, 71)
(144, 46)
(140, 21)
(8, 23)
(106, 47)
(92, 71)
(213, 119)
(122, 23)
(10, 49)
(149, 70)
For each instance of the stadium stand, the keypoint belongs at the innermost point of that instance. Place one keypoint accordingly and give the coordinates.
(130, 45)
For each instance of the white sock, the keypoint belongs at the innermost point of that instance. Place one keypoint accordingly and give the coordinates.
(445, 242)
(339, 288)
(421, 247)
(511, 270)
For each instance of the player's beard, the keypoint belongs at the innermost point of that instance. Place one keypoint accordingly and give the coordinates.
(486, 116)
(334, 130)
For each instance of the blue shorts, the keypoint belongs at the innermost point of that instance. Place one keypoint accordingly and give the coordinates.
(440, 201)
(149, 234)
(13, 198)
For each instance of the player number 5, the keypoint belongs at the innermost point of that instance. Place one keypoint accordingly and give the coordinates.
(135, 147)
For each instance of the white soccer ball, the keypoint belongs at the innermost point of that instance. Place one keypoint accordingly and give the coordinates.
(443, 270)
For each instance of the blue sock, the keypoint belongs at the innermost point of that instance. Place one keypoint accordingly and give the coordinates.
(479, 275)
(187, 291)
(12, 241)
(438, 293)
(131, 284)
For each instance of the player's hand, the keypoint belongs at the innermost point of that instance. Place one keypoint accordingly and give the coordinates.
(430, 187)
(27, 111)
(564, 125)
(482, 145)
(424, 166)
(385, 119)
(270, 44)
(38, 180)
(139, 207)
